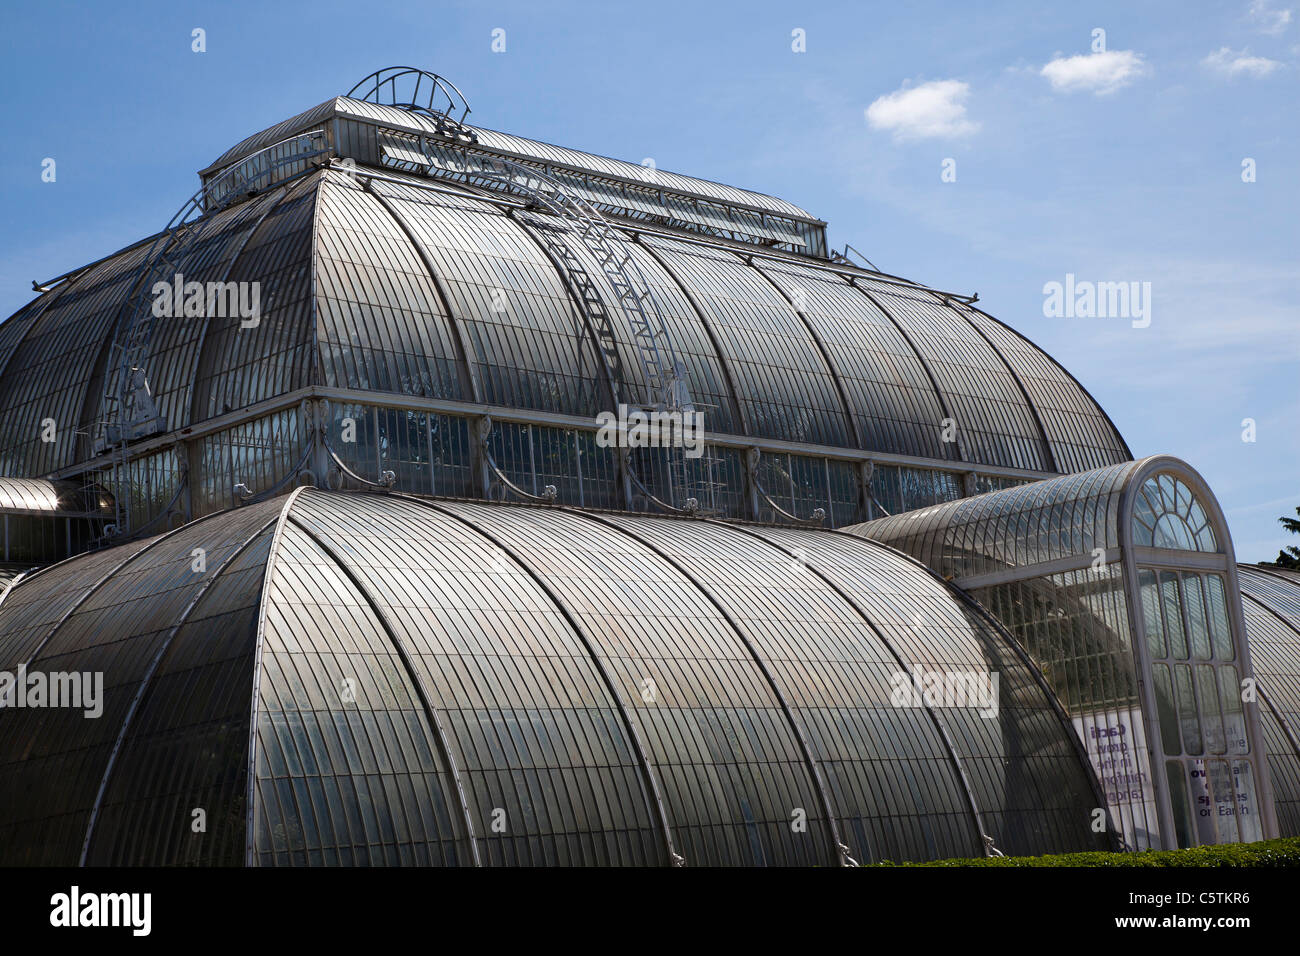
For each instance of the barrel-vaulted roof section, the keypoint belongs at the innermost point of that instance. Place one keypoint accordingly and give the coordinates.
(376, 282)
(40, 496)
(1057, 519)
(359, 678)
(1271, 605)
(1016, 527)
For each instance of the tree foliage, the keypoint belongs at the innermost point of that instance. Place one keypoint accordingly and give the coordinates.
(1289, 557)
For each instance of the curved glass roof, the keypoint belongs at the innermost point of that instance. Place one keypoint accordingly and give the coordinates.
(380, 285)
(39, 496)
(1271, 604)
(1051, 520)
(442, 682)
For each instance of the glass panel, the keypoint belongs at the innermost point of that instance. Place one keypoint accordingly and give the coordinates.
(1198, 781)
(1234, 720)
(1041, 521)
(1207, 693)
(1248, 809)
(1151, 622)
(1188, 717)
(380, 318)
(1173, 615)
(1144, 517)
(1168, 712)
(261, 454)
(1081, 436)
(1224, 806)
(1166, 515)
(994, 421)
(1195, 606)
(1175, 777)
(1219, 622)
(783, 382)
(893, 400)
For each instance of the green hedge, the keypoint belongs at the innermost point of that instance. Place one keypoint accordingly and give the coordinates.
(1268, 853)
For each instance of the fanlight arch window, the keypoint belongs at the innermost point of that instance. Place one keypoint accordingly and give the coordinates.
(1166, 514)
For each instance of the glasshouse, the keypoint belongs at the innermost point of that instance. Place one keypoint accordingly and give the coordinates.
(423, 494)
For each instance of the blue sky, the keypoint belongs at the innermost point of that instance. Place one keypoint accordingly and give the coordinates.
(1122, 165)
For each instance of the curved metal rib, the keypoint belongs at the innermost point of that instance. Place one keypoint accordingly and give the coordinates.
(815, 520)
(13, 582)
(128, 406)
(1278, 715)
(387, 479)
(440, 101)
(470, 384)
(837, 377)
(255, 698)
(664, 374)
(549, 492)
(50, 296)
(197, 366)
(650, 777)
(939, 395)
(161, 516)
(690, 507)
(939, 723)
(104, 579)
(144, 684)
(577, 281)
(1117, 838)
(1024, 392)
(290, 475)
(840, 850)
(426, 701)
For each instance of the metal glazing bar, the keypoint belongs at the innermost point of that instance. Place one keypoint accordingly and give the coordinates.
(255, 699)
(148, 676)
(408, 664)
(650, 778)
(839, 851)
(940, 724)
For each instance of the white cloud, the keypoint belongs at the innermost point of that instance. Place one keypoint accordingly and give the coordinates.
(1233, 64)
(1268, 20)
(935, 109)
(1099, 73)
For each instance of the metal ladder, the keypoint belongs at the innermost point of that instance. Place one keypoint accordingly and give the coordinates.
(435, 97)
(589, 297)
(611, 251)
(664, 375)
(128, 407)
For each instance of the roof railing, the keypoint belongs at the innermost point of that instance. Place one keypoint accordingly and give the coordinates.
(419, 91)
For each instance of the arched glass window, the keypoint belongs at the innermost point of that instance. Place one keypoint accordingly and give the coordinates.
(1167, 515)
